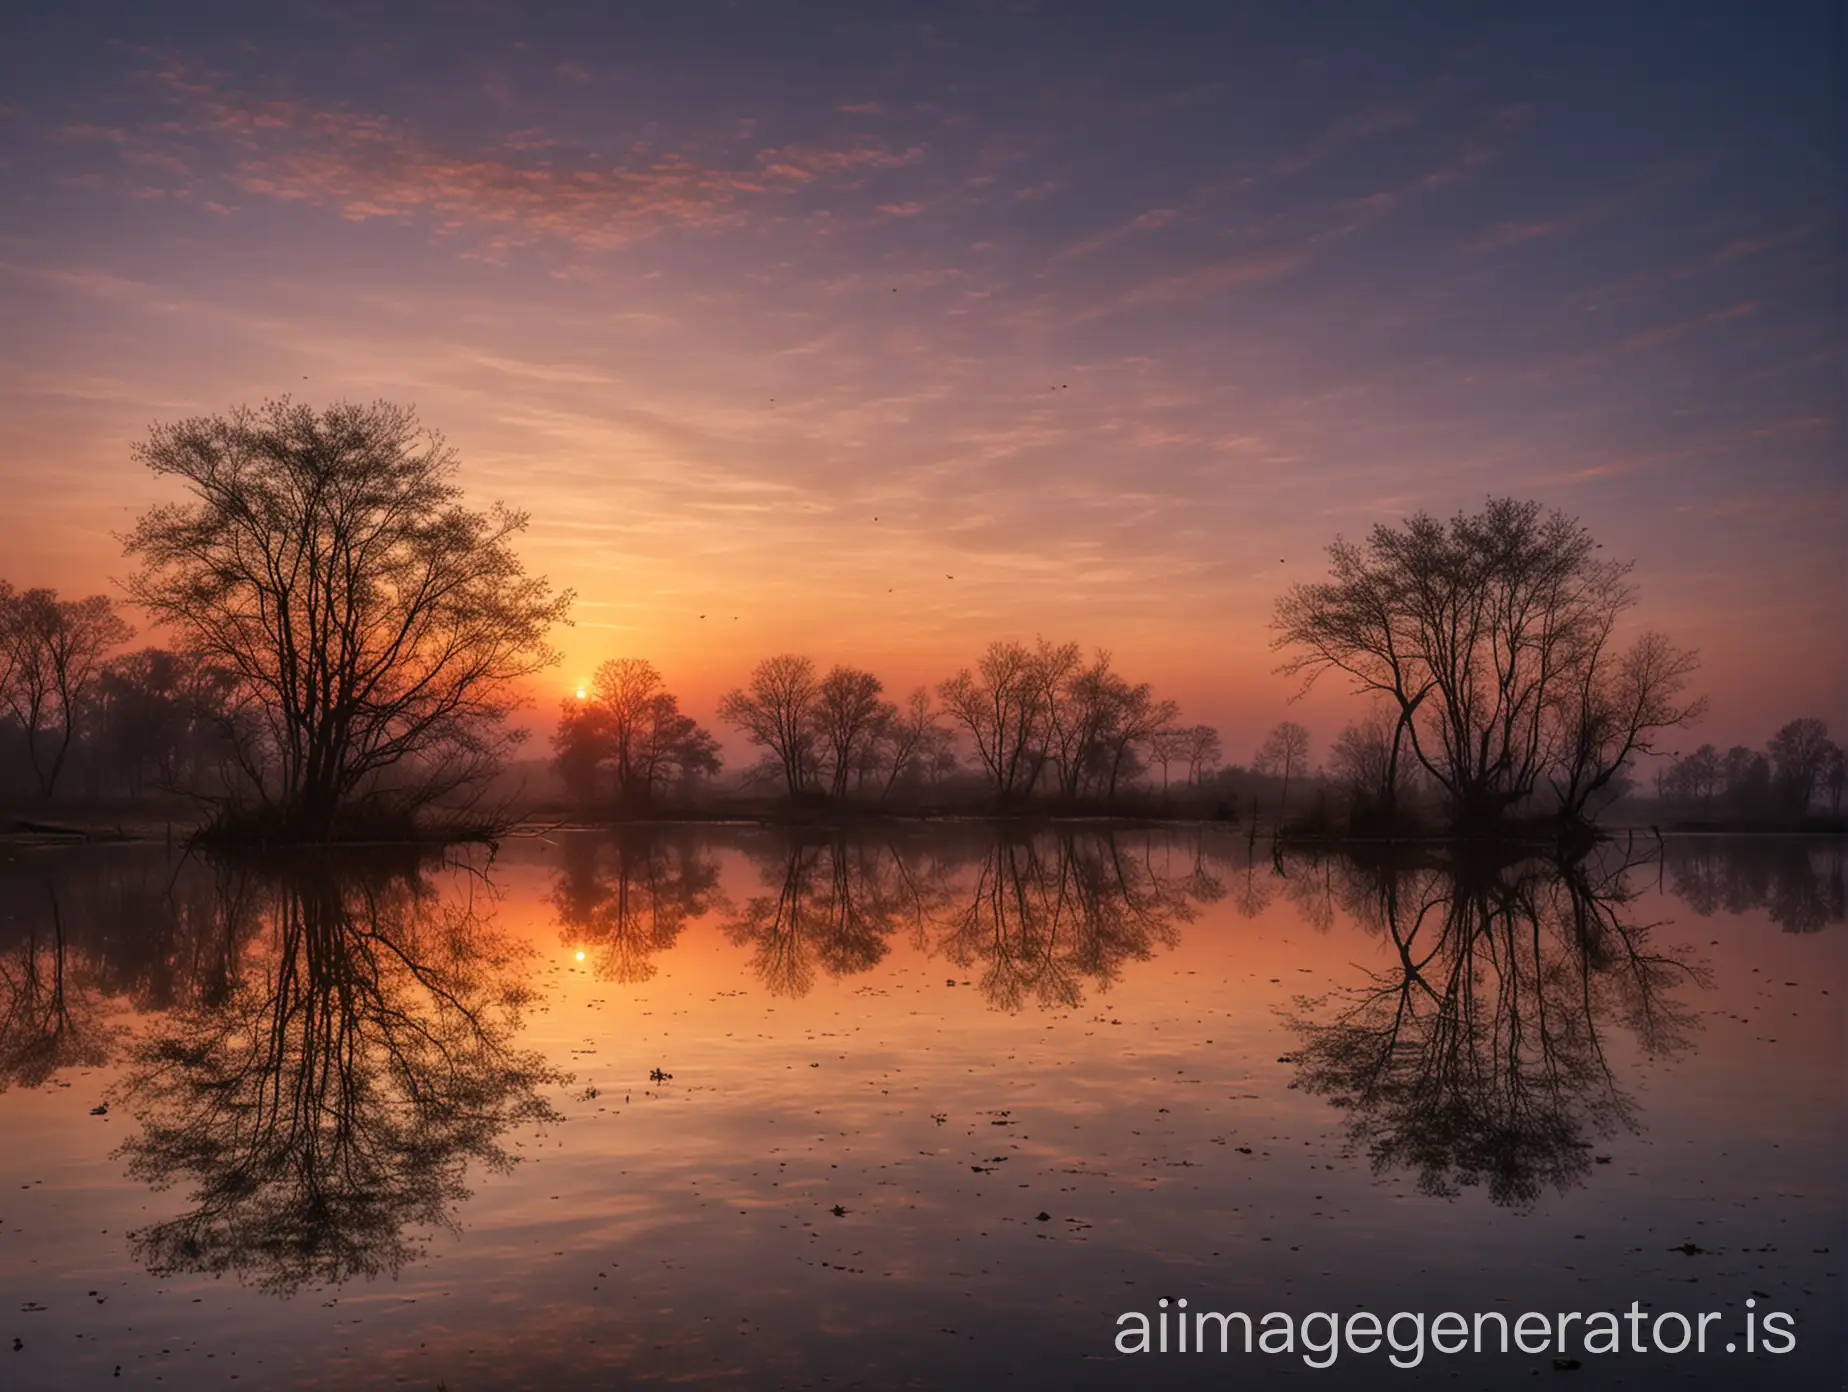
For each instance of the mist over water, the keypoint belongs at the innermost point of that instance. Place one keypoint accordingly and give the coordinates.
(903, 1108)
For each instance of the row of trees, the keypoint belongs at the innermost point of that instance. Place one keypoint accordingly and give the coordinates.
(1798, 767)
(348, 640)
(1039, 721)
(75, 710)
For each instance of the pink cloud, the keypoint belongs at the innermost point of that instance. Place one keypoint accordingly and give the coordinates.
(363, 166)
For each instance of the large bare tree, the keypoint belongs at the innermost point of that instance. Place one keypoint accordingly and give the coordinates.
(1492, 636)
(374, 628)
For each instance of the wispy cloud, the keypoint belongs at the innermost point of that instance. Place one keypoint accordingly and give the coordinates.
(1665, 333)
(524, 187)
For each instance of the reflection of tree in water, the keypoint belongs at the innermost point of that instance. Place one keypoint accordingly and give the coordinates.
(50, 1014)
(1798, 881)
(834, 903)
(336, 1093)
(627, 898)
(1251, 877)
(1038, 915)
(1479, 1057)
(83, 934)
(1049, 912)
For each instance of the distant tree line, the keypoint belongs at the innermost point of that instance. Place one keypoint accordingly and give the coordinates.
(1039, 725)
(1799, 770)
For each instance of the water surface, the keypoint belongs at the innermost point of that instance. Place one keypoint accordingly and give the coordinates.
(904, 1109)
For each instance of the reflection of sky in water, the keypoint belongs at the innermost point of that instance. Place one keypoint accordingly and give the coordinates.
(1112, 1055)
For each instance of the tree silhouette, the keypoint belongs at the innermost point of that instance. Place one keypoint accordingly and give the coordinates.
(1005, 707)
(631, 726)
(848, 719)
(374, 629)
(1799, 759)
(1284, 751)
(1747, 776)
(1493, 637)
(51, 656)
(1697, 777)
(1203, 750)
(776, 711)
(910, 740)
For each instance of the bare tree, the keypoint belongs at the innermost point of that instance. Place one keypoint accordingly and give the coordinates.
(777, 712)
(1005, 706)
(374, 628)
(1361, 758)
(1799, 754)
(623, 693)
(577, 746)
(908, 737)
(1699, 776)
(1135, 717)
(1284, 751)
(1168, 746)
(9, 651)
(848, 717)
(675, 748)
(1491, 635)
(53, 656)
(1080, 706)
(159, 719)
(1203, 751)
(1613, 712)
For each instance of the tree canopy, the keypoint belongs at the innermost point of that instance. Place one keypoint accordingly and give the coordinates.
(1494, 638)
(371, 627)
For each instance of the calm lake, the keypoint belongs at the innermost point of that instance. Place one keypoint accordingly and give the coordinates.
(909, 1108)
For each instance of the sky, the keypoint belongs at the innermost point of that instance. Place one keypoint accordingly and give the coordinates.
(877, 332)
